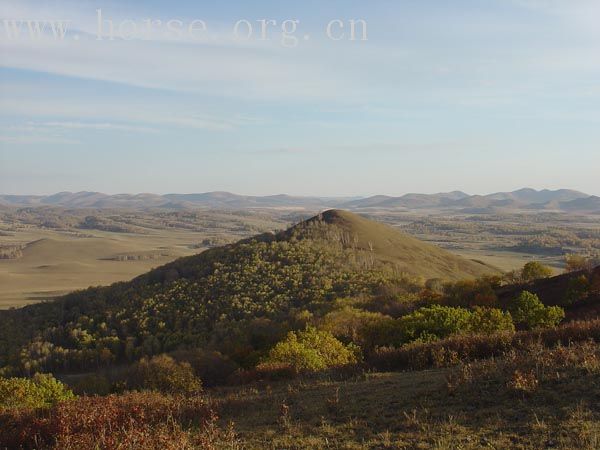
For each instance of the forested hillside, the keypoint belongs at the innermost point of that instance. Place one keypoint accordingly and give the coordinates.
(365, 283)
(250, 293)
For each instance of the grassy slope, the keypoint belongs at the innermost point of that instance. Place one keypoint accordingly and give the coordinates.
(413, 410)
(412, 255)
(60, 257)
(55, 264)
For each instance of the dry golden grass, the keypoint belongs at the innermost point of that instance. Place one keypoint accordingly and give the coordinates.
(407, 253)
(55, 261)
(416, 410)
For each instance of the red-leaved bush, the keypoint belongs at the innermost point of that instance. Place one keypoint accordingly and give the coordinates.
(134, 420)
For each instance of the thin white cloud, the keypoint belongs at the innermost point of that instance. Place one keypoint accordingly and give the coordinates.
(206, 70)
(225, 67)
(29, 140)
(64, 126)
(135, 117)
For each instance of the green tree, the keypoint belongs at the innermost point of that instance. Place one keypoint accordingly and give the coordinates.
(527, 309)
(490, 320)
(535, 270)
(578, 290)
(312, 350)
(162, 373)
(433, 322)
(40, 391)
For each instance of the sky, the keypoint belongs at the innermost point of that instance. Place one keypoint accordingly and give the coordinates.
(435, 96)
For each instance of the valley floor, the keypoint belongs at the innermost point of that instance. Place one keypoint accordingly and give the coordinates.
(54, 256)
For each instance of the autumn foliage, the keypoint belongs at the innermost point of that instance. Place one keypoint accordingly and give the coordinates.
(134, 420)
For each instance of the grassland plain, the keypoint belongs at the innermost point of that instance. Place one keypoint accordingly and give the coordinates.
(49, 251)
(58, 256)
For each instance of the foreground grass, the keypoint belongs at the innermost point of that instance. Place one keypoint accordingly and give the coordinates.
(533, 397)
(414, 410)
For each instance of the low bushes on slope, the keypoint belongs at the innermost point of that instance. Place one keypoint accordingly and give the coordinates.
(461, 348)
(312, 350)
(135, 420)
(39, 391)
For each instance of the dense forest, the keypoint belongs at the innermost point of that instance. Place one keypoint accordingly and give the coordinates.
(236, 291)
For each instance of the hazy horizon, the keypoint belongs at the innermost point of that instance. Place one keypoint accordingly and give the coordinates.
(289, 194)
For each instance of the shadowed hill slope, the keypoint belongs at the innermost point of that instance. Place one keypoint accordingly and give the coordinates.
(555, 291)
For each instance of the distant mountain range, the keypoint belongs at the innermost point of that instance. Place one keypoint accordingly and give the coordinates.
(217, 200)
(524, 199)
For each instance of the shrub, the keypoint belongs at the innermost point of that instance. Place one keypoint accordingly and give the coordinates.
(578, 290)
(549, 316)
(490, 320)
(134, 420)
(393, 305)
(354, 325)
(162, 373)
(40, 391)
(575, 263)
(211, 367)
(524, 369)
(94, 384)
(265, 371)
(433, 322)
(382, 333)
(535, 270)
(528, 310)
(442, 353)
(465, 348)
(595, 284)
(435, 285)
(471, 292)
(312, 350)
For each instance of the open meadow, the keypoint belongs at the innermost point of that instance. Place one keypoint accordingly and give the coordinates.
(42, 257)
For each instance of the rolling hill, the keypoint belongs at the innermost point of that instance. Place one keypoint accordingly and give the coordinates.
(523, 199)
(203, 299)
(217, 200)
(410, 200)
(582, 204)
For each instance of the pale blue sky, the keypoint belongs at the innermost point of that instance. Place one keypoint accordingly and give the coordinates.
(469, 95)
